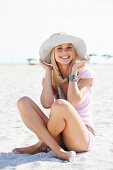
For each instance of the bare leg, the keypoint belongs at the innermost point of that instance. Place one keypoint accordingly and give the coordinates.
(64, 118)
(40, 146)
(37, 122)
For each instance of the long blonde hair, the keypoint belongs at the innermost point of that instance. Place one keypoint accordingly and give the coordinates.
(56, 75)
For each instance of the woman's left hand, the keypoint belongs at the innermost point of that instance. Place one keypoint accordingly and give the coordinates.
(79, 64)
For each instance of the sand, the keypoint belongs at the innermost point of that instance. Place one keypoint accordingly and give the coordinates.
(23, 80)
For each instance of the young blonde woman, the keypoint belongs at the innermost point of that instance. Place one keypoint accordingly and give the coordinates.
(67, 90)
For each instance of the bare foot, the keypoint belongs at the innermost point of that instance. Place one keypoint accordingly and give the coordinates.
(38, 147)
(67, 155)
(72, 156)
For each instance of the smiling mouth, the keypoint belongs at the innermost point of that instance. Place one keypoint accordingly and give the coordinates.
(65, 57)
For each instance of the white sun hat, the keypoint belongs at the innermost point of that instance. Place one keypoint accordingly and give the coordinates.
(58, 39)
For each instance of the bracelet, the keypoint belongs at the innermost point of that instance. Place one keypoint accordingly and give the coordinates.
(73, 78)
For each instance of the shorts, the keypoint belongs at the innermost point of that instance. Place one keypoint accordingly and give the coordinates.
(91, 140)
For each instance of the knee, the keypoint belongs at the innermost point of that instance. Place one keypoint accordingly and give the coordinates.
(23, 101)
(59, 105)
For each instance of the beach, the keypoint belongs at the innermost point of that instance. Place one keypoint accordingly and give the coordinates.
(17, 81)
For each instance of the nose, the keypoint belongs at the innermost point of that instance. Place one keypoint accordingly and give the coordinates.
(64, 49)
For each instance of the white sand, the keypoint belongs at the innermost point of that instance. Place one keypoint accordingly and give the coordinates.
(18, 81)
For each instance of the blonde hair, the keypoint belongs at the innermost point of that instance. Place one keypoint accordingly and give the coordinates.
(56, 75)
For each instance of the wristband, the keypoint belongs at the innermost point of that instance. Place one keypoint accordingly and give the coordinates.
(73, 78)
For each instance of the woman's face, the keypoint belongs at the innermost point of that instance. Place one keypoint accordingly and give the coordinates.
(64, 53)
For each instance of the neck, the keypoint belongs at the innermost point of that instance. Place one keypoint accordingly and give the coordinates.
(64, 70)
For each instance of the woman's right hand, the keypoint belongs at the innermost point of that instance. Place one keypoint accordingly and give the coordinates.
(47, 67)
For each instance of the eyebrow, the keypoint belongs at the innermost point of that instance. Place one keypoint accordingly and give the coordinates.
(61, 45)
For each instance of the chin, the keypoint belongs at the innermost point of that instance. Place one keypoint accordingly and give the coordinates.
(65, 63)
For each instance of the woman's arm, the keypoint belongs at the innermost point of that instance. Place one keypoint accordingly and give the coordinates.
(77, 90)
(47, 95)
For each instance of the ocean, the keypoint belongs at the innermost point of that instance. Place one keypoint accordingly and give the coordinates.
(104, 59)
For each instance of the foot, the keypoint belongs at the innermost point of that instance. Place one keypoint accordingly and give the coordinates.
(67, 155)
(72, 156)
(38, 147)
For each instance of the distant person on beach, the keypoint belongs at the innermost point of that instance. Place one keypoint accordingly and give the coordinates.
(67, 92)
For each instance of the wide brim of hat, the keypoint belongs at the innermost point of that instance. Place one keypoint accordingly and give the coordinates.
(56, 40)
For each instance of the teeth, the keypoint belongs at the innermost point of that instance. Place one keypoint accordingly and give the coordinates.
(65, 57)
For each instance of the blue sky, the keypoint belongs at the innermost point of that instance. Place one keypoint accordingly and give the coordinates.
(25, 24)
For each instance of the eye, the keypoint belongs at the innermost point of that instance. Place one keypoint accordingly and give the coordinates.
(69, 47)
(59, 48)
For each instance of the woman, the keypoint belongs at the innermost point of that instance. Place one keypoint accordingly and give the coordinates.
(67, 88)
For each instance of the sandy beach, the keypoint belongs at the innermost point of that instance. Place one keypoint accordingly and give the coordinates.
(23, 80)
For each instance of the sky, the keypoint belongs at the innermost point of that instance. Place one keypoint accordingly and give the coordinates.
(25, 24)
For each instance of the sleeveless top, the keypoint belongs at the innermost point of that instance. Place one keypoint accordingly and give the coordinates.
(84, 106)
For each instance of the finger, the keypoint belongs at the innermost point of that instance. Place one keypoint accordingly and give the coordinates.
(41, 61)
(88, 58)
(77, 62)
